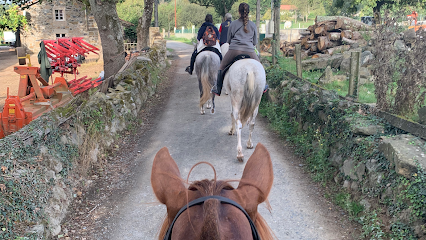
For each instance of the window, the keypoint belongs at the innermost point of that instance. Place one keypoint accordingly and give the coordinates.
(59, 15)
(58, 35)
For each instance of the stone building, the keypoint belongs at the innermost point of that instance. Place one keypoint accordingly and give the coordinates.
(58, 18)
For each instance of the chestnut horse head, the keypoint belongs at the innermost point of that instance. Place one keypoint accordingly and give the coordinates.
(213, 219)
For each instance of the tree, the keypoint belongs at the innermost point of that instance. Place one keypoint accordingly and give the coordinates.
(353, 6)
(221, 6)
(130, 11)
(109, 26)
(111, 33)
(144, 24)
(11, 20)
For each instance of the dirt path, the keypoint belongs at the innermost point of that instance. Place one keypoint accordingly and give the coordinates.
(122, 205)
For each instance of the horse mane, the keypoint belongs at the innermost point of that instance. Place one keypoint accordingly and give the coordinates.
(212, 187)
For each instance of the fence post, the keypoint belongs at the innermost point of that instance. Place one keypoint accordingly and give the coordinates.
(298, 52)
(355, 74)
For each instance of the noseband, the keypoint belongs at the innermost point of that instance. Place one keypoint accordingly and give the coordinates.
(200, 201)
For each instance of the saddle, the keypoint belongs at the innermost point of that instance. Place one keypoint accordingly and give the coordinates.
(212, 49)
(239, 57)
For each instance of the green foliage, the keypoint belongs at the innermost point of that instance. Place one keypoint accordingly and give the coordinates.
(10, 19)
(221, 6)
(372, 226)
(401, 231)
(415, 193)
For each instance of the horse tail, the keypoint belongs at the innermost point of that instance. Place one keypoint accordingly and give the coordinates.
(205, 83)
(250, 99)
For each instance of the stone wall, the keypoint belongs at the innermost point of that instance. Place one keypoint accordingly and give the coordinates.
(381, 166)
(42, 25)
(42, 163)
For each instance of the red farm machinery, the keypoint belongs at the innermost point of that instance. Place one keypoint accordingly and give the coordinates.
(35, 95)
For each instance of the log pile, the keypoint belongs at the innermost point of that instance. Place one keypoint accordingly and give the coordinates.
(329, 35)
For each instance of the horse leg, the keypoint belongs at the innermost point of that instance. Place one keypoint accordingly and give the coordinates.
(213, 106)
(240, 155)
(200, 86)
(251, 128)
(232, 131)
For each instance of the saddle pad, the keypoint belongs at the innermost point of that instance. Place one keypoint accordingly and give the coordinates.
(212, 49)
(239, 57)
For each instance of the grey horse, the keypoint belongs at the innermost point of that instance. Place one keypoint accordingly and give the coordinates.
(206, 67)
(244, 82)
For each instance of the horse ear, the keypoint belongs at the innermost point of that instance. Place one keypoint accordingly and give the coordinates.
(165, 177)
(257, 179)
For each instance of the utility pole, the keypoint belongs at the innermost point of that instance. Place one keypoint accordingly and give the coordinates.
(175, 15)
(258, 23)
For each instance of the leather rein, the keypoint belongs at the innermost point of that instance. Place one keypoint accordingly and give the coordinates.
(200, 201)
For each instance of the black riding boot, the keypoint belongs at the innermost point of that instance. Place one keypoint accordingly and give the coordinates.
(190, 68)
(217, 89)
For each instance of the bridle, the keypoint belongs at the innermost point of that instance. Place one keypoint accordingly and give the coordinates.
(200, 201)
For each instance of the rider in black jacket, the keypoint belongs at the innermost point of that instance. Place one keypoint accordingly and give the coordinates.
(209, 22)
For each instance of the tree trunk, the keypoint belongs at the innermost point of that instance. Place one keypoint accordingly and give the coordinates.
(276, 32)
(377, 16)
(325, 43)
(258, 23)
(143, 25)
(346, 34)
(343, 23)
(338, 49)
(334, 36)
(111, 33)
(156, 13)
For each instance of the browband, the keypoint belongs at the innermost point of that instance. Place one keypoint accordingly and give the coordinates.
(201, 200)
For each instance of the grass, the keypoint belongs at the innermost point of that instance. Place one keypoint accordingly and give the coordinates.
(303, 24)
(184, 40)
(366, 91)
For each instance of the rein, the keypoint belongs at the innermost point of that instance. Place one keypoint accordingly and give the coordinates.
(200, 201)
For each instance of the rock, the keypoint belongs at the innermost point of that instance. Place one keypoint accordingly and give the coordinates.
(49, 175)
(365, 127)
(327, 77)
(387, 194)
(321, 63)
(336, 160)
(37, 230)
(375, 178)
(366, 58)
(364, 72)
(295, 90)
(354, 186)
(422, 115)
(372, 165)
(364, 202)
(322, 116)
(355, 172)
(347, 184)
(345, 66)
(142, 58)
(285, 83)
(338, 179)
(400, 45)
(305, 88)
(402, 151)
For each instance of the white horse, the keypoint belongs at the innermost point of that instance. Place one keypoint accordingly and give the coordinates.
(206, 66)
(244, 82)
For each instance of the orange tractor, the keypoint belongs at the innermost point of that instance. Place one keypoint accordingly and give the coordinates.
(413, 17)
(35, 95)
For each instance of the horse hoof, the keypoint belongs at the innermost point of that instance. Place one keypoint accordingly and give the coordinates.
(212, 111)
(202, 112)
(231, 132)
(250, 146)
(208, 107)
(240, 159)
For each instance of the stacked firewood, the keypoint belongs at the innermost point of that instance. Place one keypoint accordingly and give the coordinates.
(328, 36)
